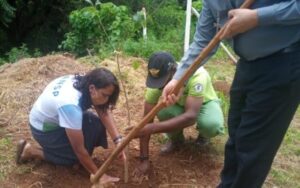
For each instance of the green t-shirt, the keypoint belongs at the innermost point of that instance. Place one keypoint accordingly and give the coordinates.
(199, 85)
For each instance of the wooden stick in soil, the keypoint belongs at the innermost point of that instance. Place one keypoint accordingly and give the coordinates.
(126, 150)
(197, 62)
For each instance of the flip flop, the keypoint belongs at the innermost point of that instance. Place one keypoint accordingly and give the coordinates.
(20, 147)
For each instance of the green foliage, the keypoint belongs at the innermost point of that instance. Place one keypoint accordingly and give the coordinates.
(16, 54)
(7, 12)
(5, 157)
(165, 25)
(224, 102)
(166, 18)
(136, 5)
(2, 61)
(38, 23)
(197, 5)
(136, 64)
(37, 53)
(139, 18)
(144, 48)
(96, 27)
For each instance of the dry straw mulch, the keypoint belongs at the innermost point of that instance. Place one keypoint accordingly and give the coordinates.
(22, 82)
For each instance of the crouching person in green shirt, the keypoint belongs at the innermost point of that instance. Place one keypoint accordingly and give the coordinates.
(198, 104)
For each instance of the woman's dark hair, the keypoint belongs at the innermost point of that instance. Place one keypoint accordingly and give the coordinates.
(101, 78)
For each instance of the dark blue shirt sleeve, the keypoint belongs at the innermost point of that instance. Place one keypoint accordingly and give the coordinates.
(205, 31)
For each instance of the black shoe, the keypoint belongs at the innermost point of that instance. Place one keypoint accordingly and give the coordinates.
(202, 141)
(169, 147)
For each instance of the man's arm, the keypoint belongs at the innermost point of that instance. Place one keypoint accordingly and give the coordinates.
(144, 141)
(283, 13)
(192, 107)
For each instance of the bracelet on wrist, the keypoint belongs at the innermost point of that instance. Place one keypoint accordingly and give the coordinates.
(118, 139)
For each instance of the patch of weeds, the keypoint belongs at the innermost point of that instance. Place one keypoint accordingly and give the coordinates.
(284, 177)
(221, 54)
(291, 143)
(136, 64)
(285, 170)
(220, 70)
(224, 102)
(23, 169)
(218, 143)
(16, 54)
(6, 157)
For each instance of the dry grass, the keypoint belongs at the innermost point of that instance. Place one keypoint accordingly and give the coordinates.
(22, 82)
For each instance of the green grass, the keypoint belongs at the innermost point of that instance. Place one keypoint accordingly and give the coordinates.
(291, 143)
(220, 68)
(285, 171)
(6, 156)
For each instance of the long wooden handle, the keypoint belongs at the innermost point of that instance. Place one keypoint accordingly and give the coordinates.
(197, 62)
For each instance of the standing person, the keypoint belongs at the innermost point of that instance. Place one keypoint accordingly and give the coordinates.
(199, 104)
(265, 92)
(64, 128)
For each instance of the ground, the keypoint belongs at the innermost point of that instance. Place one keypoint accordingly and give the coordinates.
(190, 167)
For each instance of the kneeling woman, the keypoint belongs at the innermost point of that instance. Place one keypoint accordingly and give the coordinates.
(61, 123)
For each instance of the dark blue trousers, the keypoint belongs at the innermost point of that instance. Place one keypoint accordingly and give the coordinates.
(56, 145)
(263, 99)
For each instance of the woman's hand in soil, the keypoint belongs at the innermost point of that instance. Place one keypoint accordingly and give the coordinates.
(105, 180)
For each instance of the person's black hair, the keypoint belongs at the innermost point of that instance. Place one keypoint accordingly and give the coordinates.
(101, 78)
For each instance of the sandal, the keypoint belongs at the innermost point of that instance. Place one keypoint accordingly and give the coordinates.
(20, 148)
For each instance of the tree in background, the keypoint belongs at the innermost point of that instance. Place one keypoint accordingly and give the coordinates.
(97, 27)
(7, 12)
(38, 23)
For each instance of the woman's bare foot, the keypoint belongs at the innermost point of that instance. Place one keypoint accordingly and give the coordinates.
(26, 152)
(20, 149)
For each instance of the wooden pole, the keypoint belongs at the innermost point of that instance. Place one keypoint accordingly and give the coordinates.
(126, 162)
(205, 52)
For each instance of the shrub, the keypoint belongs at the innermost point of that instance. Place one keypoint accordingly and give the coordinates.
(166, 18)
(2, 61)
(144, 48)
(96, 27)
(16, 54)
